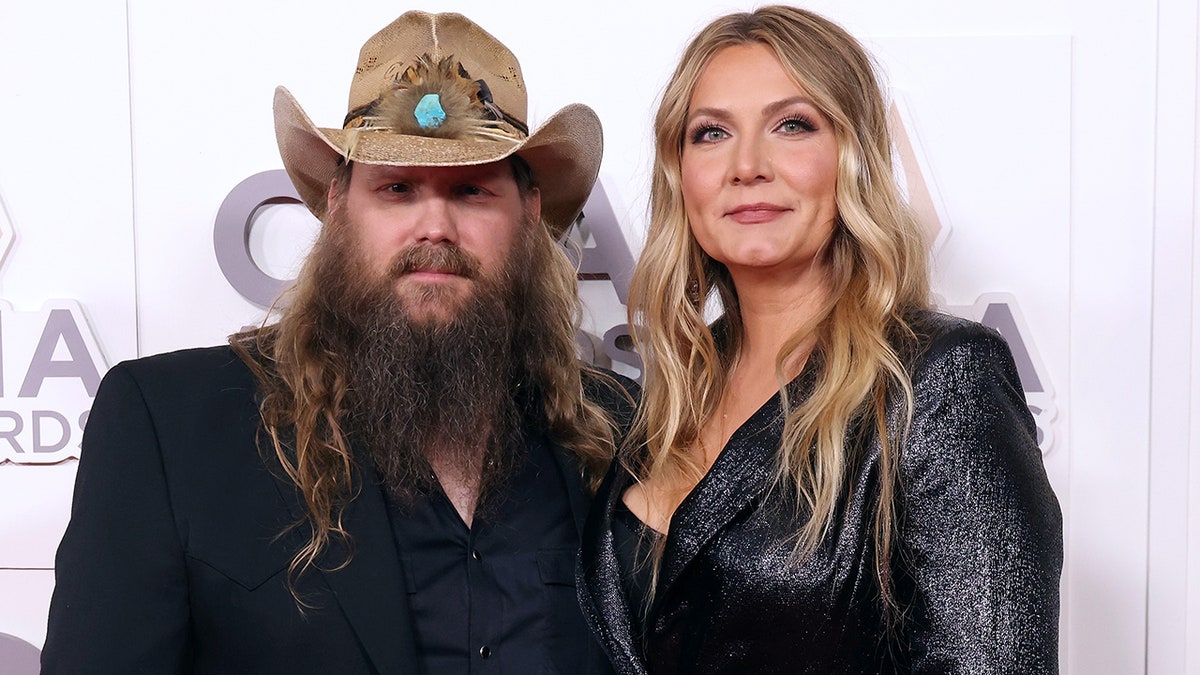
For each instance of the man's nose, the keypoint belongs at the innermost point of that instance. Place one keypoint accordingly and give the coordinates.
(436, 223)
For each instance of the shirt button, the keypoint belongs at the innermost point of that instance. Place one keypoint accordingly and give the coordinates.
(475, 555)
(485, 651)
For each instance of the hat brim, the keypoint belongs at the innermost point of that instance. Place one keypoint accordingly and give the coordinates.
(564, 155)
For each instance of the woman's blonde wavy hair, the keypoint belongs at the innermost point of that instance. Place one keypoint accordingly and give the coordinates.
(877, 261)
(303, 382)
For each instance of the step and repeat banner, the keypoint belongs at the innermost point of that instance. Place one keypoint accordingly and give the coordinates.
(143, 207)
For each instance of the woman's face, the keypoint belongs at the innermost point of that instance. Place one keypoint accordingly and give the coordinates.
(759, 167)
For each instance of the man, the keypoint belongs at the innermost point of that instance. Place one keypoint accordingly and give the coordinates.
(391, 478)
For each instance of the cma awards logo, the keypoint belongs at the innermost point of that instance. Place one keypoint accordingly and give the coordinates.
(602, 255)
(999, 311)
(50, 367)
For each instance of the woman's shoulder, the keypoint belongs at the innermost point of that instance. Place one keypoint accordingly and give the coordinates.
(938, 338)
(934, 328)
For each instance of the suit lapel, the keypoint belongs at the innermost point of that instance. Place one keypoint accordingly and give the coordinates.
(740, 475)
(370, 589)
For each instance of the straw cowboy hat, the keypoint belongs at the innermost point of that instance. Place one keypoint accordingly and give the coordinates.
(438, 90)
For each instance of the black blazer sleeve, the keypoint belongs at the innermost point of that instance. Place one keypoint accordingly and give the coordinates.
(120, 600)
(981, 530)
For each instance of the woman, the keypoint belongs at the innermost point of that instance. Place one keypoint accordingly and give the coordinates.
(832, 478)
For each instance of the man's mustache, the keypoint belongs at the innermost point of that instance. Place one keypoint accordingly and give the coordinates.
(442, 258)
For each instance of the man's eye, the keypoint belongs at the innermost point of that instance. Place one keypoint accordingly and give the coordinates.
(471, 190)
(399, 188)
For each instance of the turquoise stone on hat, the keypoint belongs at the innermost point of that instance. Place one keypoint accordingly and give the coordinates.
(429, 112)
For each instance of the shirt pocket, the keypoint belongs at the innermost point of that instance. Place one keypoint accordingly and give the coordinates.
(556, 567)
(568, 640)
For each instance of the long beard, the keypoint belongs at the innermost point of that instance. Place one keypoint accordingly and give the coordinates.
(430, 391)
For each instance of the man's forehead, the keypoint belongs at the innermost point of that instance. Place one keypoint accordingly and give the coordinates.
(490, 171)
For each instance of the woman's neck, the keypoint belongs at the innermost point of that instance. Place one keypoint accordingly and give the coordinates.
(773, 308)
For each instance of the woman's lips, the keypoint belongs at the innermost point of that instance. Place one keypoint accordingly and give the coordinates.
(748, 214)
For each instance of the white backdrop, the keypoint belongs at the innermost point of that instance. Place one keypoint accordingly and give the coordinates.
(1055, 140)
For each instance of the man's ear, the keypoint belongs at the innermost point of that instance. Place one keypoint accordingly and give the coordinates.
(331, 196)
(532, 202)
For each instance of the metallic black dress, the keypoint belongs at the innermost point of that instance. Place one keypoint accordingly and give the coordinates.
(976, 565)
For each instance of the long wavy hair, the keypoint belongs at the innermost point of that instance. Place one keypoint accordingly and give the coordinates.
(301, 364)
(878, 267)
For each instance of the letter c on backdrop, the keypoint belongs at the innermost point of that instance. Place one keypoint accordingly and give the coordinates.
(231, 234)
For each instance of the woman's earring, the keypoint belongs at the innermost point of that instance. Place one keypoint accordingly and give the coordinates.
(693, 292)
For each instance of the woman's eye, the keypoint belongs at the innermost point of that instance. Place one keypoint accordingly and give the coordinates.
(796, 125)
(708, 134)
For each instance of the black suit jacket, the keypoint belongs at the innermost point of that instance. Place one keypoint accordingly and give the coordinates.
(977, 556)
(174, 560)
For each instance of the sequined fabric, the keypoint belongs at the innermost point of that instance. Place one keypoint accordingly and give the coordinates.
(976, 569)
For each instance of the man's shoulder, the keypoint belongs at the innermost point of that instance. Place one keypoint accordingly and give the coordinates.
(617, 394)
(601, 385)
(194, 373)
(200, 405)
(188, 365)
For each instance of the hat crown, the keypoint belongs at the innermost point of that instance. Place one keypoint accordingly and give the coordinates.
(393, 49)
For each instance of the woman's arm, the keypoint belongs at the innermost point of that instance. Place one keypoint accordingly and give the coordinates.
(980, 528)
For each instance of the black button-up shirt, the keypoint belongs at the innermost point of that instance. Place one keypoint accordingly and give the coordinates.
(498, 597)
